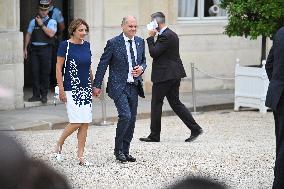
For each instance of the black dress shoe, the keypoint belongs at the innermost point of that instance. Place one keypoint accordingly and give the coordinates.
(194, 135)
(44, 99)
(129, 158)
(120, 156)
(148, 139)
(34, 99)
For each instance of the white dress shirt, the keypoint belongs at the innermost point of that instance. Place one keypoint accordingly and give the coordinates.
(127, 44)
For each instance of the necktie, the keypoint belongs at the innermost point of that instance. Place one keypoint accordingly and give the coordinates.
(132, 53)
(132, 59)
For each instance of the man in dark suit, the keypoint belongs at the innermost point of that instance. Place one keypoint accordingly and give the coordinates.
(167, 71)
(275, 100)
(125, 56)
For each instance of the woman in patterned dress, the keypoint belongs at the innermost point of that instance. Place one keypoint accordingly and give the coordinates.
(75, 89)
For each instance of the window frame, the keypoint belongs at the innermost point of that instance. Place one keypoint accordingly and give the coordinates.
(201, 18)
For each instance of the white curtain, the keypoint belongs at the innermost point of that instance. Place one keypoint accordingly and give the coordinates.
(186, 8)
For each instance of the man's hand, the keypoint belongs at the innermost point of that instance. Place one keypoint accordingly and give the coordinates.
(152, 33)
(38, 20)
(96, 92)
(137, 70)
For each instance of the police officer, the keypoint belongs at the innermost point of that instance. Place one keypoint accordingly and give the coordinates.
(55, 14)
(40, 37)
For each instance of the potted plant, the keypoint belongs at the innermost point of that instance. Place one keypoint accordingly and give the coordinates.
(253, 18)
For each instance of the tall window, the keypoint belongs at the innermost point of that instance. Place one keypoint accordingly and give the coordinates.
(200, 9)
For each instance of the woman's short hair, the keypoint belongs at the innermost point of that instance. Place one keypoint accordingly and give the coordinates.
(75, 24)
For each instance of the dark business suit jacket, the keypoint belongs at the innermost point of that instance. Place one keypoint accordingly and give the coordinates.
(275, 70)
(115, 56)
(275, 100)
(167, 64)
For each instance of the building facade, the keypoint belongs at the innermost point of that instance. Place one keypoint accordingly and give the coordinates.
(199, 24)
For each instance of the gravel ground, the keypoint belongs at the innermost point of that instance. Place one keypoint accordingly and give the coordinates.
(237, 148)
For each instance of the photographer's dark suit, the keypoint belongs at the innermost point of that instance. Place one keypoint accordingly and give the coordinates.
(167, 71)
(275, 100)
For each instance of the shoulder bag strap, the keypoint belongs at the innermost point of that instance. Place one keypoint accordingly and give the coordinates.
(66, 56)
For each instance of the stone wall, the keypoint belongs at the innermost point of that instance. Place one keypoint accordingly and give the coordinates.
(11, 56)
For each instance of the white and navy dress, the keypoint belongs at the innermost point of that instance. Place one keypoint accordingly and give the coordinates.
(77, 81)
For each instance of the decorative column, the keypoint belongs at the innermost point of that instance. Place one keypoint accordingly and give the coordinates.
(92, 11)
(11, 56)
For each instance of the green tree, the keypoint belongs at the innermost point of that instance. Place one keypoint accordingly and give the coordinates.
(253, 18)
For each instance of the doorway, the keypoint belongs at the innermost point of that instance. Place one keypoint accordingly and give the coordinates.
(28, 9)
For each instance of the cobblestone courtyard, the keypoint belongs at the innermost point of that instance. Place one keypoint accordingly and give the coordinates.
(237, 148)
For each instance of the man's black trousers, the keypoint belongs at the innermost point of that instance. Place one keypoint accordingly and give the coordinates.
(170, 90)
(40, 65)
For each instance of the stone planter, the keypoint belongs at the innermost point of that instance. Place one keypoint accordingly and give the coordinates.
(251, 85)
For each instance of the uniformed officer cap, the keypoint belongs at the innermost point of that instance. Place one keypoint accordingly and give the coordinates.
(43, 4)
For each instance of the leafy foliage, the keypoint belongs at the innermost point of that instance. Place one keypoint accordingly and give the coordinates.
(253, 17)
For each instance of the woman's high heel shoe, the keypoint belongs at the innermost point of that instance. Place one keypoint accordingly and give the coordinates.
(85, 163)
